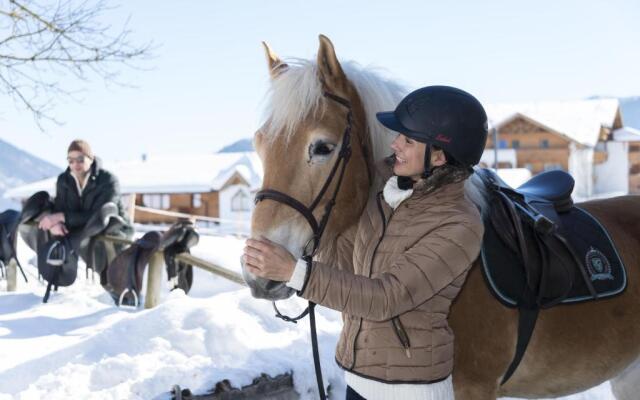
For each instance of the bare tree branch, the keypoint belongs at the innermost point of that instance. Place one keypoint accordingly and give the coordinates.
(42, 41)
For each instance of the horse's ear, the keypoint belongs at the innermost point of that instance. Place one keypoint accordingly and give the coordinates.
(331, 73)
(275, 64)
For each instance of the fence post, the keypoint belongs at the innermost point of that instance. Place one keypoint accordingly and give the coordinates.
(12, 275)
(154, 280)
(132, 207)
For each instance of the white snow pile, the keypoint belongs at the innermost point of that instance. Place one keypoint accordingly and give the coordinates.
(81, 346)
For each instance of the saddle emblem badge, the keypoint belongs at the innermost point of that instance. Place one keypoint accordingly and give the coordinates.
(598, 265)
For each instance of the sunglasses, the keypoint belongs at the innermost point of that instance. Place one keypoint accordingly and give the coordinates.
(79, 159)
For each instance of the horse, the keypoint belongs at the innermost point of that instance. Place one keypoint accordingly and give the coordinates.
(573, 347)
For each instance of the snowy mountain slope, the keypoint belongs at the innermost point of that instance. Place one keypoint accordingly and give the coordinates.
(240, 146)
(18, 167)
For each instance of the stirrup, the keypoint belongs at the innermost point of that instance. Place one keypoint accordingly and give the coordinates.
(57, 261)
(123, 294)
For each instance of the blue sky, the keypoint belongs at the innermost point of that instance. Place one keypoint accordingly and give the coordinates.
(205, 86)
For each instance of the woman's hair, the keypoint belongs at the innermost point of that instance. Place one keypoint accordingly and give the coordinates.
(452, 161)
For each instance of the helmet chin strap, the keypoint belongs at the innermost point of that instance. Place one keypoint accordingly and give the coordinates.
(427, 162)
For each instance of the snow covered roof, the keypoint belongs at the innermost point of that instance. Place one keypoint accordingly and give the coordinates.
(580, 120)
(170, 174)
(24, 191)
(185, 174)
(626, 134)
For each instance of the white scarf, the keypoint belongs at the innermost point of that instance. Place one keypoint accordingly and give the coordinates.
(393, 195)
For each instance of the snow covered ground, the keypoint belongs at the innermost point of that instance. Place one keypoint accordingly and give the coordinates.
(81, 346)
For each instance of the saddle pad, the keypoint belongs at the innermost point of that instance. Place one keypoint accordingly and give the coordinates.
(504, 269)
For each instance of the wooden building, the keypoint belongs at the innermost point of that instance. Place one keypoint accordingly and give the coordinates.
(575, 136)
(632, 137)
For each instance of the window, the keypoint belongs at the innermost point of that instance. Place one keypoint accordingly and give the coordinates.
(196, 200)
(240, 202)
(635, 169)
(157, 201)
(515, 144)
(634, 148)
(552, 166)
(502, 144)
(544, 143)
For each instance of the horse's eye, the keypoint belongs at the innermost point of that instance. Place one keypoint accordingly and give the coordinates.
(321, 149)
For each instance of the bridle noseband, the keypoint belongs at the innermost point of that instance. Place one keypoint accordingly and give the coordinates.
(318, 228)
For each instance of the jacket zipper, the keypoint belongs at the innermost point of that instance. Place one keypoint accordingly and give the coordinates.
(398, 328)
(373, 256)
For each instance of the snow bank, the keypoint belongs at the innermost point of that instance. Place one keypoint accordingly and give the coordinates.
(80, 345)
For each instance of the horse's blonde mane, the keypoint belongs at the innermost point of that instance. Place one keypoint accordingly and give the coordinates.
(297, 93)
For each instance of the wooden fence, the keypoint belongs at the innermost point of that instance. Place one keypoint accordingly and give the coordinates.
(154, 275)
(156, 263)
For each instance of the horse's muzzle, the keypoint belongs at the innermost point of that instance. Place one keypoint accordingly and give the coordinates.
(267, 289)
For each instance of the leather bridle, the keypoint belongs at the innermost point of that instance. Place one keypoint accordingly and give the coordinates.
(317, 227)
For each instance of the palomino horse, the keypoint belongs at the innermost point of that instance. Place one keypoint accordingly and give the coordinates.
(573, 347)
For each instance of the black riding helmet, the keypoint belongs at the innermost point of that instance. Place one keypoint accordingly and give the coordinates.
(442, 116)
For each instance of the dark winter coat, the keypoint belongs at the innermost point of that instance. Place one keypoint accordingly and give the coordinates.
(102, 187)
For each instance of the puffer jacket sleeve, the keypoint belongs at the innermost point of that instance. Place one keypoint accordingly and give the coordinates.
(340, 252)
(418, 274)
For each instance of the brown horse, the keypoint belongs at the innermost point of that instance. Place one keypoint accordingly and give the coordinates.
(573, 347)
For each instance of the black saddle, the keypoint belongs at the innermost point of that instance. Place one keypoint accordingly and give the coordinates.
(81, 243)
(57, 257)
(37, 205)
(555, 186)
(124, 274)
(179, 239)
(57, 262)
(539, 250)
(9, 221)
(98, 254)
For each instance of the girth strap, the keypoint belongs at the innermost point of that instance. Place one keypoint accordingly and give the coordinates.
(526, 323)
(51, 283)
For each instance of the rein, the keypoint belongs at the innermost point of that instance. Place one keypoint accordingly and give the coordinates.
(318, 228)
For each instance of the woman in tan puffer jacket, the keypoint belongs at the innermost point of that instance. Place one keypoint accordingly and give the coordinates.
(395, 274)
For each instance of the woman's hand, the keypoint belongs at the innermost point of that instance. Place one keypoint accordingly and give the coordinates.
(49, 221)
(269, 260)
